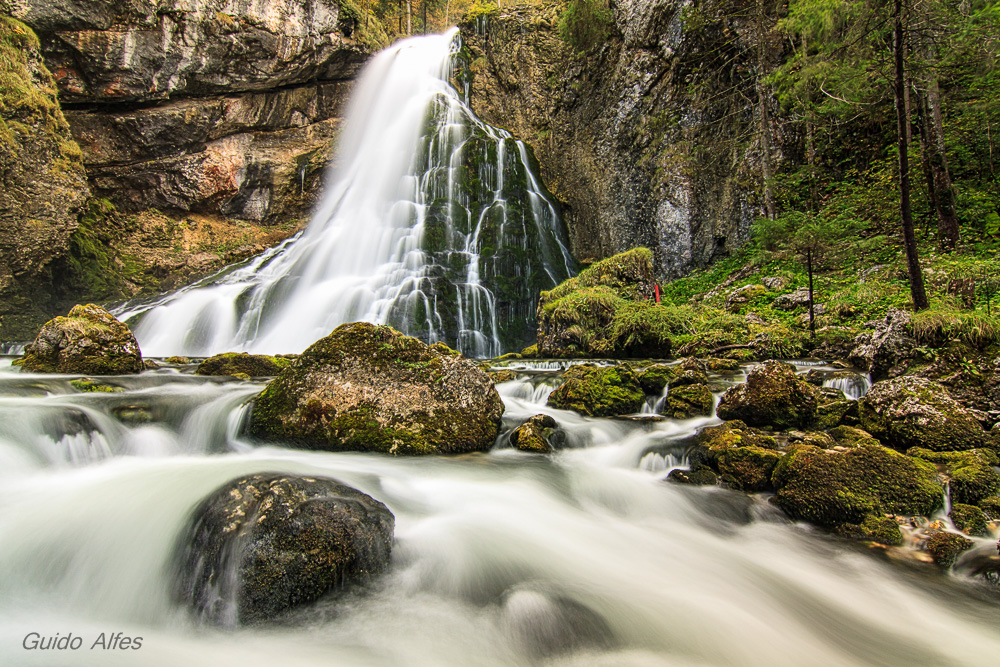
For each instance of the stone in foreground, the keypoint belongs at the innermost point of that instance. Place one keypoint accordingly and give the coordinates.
(370, 388)
(88, 341)
(265, 543)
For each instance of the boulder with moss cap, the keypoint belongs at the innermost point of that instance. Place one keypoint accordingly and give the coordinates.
(88, 341)
(772, 396)
(242, 363)
(913, 412)
(370, 388)
(599, 391)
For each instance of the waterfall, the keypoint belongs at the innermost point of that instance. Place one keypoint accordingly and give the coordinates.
(433, 222)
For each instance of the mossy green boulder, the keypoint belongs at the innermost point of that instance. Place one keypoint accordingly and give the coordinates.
(689, 371)
(969, 519)
(533, 435)
(370, 388)
(971, 473)
(772, 396)
(748, 468)
(944, 548)
(687, 401)
(236, 363)
(910, 412)
(599, 391)
(88, 341)
(831, 487)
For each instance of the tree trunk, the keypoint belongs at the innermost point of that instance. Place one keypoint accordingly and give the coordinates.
(944, 193)
(812, 309)
(409, 17)
(925, 151)
(917, 291)
(764, 116)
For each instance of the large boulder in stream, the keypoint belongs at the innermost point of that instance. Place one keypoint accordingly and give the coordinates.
(242, 363)
(772, 396)
(264, 543)
(370, 388)
(913, 412)
(88, 341)
(599, 391)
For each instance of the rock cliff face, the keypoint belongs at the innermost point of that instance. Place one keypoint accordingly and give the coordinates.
(42, 181)
(224, 107)
(648, 139)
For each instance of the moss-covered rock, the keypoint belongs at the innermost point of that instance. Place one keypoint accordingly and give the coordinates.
(830, 488)
(885, 351)
(944, 548)
(88, 341)
(503, 375)
(241, 363)
(748, 468)
(972, 477)
(874, 528)
(600, 392)
(686, 401)
(913, 412)
(370, 388)
(848, 436)
(742, 296)
(771, 396)
(533, 435)
(88, 385)
(264, 543)
(969, 519)
(834, 409)
(991, 507)
(689, 371)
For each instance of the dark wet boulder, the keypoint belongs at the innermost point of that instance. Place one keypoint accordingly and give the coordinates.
(88, 341)
(687, 401)
(242, 363)
(772, 396)
(695, 476)
(831, 487)
(533, 435)
(599, 391)
(370, 388)
(265, 543)
(913, 412)
(885, 351)
(969, 519)
(944, 548)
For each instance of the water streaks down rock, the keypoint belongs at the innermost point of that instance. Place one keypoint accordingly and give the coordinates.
(370, 388)
(264, 543)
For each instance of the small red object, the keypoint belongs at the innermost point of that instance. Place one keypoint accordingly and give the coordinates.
(656, 288)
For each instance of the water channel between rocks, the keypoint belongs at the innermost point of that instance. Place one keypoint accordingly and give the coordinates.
(583, 557)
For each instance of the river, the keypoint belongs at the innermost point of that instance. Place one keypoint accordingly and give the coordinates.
(583, 557)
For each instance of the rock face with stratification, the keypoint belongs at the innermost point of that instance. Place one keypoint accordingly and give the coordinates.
(88, 341)
(370, 388)
(264, 543)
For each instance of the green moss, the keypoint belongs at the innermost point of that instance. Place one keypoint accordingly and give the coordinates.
(874, 528)
(628, 275)
(944, 548)
(991, 506)
(688, 401)
(772, 395)
(748, 468)
(829, 488)
(972, 475)
(969, 519)
(241, 363)
(600, 392)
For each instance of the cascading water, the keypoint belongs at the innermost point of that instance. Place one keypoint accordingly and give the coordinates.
(433, 223)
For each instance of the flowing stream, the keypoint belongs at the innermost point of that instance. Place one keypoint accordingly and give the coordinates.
(582, 557)
(433, 222)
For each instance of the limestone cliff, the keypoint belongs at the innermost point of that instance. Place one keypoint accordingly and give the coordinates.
(648, 138)
(42, 181)
(224, 107)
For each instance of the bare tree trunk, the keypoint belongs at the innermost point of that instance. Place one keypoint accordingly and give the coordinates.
(925, 151)
(447, 13)
(812, 309)
(917, 291)
(764, 116)
(409, 17)
(944, 193)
